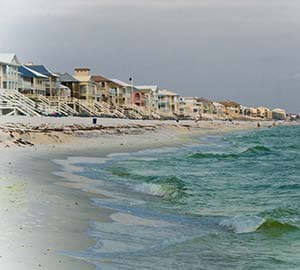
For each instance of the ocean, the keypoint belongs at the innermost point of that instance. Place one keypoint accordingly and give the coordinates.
(221, 202)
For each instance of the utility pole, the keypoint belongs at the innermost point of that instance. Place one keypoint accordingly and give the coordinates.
(131, 80)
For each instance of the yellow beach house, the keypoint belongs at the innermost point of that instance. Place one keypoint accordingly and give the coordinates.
(232, 109)
(168, 101)
(87, 87)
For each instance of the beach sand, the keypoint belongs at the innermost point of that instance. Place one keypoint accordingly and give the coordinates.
(42, 214)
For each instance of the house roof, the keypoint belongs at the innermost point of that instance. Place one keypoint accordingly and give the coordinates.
(217, 104)
(29, 73)
(153, 88)
(42, 69)
(229, 103)
(204, 100)
(166, 92)
(190, 98)
(9, 58)
(99, 78)
(124, 84)
(263, 108)
(278, 110)
(66, 77)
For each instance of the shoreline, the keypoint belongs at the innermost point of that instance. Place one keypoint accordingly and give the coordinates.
(46, 131)
(40, 215)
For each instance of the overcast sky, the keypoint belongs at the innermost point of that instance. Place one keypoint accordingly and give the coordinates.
(245, 50)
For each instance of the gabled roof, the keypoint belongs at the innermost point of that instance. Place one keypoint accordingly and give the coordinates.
(29, 73)
(41, 69)
(263, 108)
(9, 58)
(166, 92)
(99, 78)
(190, 98)
(153, 88)
(124, 84)
(278, 110)
(66, 77)
(204, 100)
(229, 103)
(217, 104)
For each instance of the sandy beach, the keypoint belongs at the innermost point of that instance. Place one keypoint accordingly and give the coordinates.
(37, 131)
(42, 214)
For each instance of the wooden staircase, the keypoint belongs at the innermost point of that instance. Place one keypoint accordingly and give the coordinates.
(14, 103)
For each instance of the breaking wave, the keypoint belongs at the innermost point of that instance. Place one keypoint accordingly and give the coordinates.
(250, 151)
(170, 188)
(274, 225)
(155, 190)
(244, 224)
(257, 149)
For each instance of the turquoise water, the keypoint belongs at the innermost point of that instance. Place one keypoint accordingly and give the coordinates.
(224, 202)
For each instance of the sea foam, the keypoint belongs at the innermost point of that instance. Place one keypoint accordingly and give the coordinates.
(245, 224)
(242, 224)
(151, 189)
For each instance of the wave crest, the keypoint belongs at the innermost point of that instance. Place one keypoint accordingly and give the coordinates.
(257, 149)
(244, 224)
(250, 151)
(272, 225)
(165, 191)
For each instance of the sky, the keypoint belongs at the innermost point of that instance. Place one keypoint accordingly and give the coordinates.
(243, 50)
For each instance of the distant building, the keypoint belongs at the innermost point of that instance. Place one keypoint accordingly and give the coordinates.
(264, 113)
(52, 83)
(126, 90)
(279, 114)
(9, 75)
(253, 112)
(32, 82)
(208, 106)
(192, 107)
(168, 101)
(111, 91)
(146, 96)
(232, 109)
(70, 82)
(218, 109)
(87, 87)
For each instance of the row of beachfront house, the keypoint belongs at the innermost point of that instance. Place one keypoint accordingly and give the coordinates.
(39, 83)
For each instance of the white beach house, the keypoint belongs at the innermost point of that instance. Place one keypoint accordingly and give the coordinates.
(9, 75)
